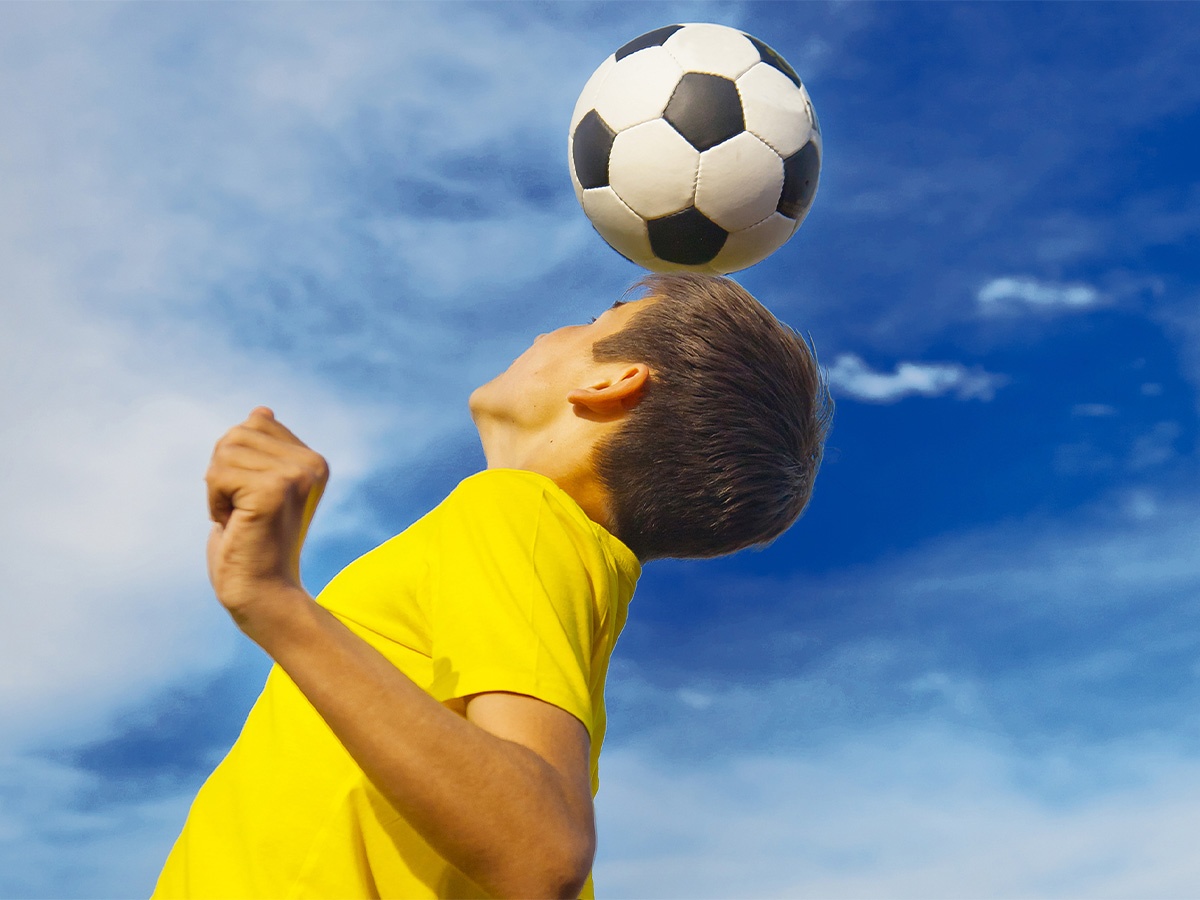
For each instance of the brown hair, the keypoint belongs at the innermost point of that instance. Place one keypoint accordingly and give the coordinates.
(722, 450)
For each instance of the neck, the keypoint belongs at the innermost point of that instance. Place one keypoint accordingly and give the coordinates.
(564, 459)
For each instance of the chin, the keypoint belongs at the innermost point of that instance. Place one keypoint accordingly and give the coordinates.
(481, 401)
(479, 396)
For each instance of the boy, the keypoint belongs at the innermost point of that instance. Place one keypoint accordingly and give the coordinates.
(432, 727)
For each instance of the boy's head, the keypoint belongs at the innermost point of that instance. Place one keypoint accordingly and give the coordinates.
(690, 422)
(721, 450)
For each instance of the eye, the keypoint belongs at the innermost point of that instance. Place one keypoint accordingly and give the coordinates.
(592, 320)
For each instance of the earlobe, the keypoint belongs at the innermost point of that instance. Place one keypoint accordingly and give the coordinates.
(611, 397)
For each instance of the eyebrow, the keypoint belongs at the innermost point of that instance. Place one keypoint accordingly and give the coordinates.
(616, 305)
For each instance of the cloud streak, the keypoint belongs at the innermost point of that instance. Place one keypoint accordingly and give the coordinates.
(852, 377)
(1010, 295)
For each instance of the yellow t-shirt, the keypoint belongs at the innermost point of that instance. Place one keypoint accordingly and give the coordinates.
(506, 586)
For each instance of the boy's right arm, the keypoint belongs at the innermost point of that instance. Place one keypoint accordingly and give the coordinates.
(503, 794)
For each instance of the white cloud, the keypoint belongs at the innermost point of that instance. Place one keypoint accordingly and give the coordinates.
(107, 431)
(851, 376)
(115, 243)
(1012, 294)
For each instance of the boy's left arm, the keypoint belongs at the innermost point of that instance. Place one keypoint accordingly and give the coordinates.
(502, 792)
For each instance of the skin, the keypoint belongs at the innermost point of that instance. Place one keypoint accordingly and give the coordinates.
(497, 783)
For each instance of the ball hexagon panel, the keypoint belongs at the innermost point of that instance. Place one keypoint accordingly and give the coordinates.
(637, 88)
(739, 182)
(687, 238)
(775, 109)
(653, 169)
(705, 109)
(624, 229)
(715, 49)
(744, 248)
(587, 97)
(800, 173)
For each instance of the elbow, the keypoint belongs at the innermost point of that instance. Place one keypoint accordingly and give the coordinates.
(574, 870)
(565, 864)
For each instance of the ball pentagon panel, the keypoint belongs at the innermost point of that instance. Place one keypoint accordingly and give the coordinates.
(637, 88)
(705, 109)
(653, 169)
(591, 147)
(715, 49)
(655, 38)
(768, 55)
(620, 226)
(775, 110)
(801, 171)
(739, 182)
(686, 238)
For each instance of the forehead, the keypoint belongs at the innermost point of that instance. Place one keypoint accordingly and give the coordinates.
(627, 309)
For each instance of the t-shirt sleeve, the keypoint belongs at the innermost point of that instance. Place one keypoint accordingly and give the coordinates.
(511, 605)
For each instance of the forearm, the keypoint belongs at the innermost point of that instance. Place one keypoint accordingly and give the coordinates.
(493, 808)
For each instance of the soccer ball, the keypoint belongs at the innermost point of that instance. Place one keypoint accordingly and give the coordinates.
(695, 147)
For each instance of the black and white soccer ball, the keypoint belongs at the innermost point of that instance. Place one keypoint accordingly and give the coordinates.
(695, 147)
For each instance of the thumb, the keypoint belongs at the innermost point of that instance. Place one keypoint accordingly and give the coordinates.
(215, 535)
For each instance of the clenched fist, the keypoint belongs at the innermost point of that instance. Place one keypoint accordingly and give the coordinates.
(263, 488)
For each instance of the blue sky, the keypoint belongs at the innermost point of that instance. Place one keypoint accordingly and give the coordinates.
(972, 669)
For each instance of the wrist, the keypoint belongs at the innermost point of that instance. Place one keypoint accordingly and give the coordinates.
(270, 612)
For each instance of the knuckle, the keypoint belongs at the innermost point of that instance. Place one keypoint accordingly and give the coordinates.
(231, 438)
(283, 478)
(320, 468)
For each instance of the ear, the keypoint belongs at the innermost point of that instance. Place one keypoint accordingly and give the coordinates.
(610, 397)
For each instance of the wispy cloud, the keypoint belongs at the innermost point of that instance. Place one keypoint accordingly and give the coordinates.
(851, 376)
(1037, 628)
(1014, 294)
(911, 811)
(1093, 410)
(56, 840)
(994, 714)
(1151, 449)
(1156, 447)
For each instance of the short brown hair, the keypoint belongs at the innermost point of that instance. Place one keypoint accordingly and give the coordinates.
(723, 448)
